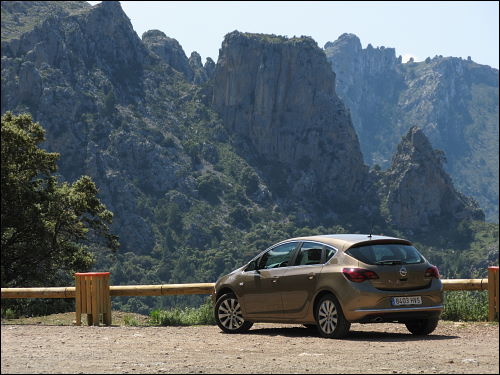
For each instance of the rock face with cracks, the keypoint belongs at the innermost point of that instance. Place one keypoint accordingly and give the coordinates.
(279, 94)
(453, 100)
(419, 191)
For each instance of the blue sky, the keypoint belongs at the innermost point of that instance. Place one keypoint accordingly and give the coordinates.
(415, 28)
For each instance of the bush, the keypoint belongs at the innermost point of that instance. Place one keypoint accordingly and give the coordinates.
(129, 320)
(239, 217)
(188, 316)
(209, 186)
(465, 306)
(249, 180)
(8, 314)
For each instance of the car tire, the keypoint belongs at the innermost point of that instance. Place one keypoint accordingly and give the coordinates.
(330, 319)
(228, 315)
(422, 327)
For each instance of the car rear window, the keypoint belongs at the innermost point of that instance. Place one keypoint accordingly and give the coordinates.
(386, 254)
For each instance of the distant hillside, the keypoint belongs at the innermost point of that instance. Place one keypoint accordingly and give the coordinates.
(19, 17)
(454, 101)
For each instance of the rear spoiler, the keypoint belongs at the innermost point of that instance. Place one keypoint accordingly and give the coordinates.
(378, 242)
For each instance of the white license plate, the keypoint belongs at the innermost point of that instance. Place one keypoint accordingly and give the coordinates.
(398, 301)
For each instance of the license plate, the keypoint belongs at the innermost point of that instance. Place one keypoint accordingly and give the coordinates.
(398, 301)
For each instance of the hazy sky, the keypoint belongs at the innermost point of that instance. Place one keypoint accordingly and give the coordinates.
(419, 29)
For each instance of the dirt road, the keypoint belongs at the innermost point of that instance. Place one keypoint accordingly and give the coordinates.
(266, 348)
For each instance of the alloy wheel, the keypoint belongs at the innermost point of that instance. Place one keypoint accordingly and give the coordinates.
(229, 314)
(327, 316)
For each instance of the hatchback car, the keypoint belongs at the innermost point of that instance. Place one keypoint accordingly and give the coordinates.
(331, 281)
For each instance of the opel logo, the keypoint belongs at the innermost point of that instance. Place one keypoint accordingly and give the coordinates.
(403, 272)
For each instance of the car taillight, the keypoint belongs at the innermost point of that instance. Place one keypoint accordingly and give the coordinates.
(432, 272)
(358, 275)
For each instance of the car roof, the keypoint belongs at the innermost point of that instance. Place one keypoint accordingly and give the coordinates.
(347, 241)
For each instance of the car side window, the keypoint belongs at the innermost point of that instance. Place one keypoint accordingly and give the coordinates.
(278, 256)
(310, 253)
(330, 252)
(252, 266)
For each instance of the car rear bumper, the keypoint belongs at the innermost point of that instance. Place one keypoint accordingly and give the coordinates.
(401, 309)
(400, 314)
(362, 300)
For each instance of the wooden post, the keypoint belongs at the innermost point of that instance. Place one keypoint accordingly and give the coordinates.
(107, 301)
(88, 297)
(493, 293)
(78, 300)
(92, 297)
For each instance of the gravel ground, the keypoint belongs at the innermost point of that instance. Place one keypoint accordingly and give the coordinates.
(266, 348)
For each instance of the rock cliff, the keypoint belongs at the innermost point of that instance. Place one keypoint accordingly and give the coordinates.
(169, 50)
(454, 101)
(418, 192)
(95, 87)
(279, 94)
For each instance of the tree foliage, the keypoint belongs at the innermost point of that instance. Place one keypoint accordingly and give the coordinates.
(47, 227)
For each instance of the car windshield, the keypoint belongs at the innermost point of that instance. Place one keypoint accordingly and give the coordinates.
(386, 254)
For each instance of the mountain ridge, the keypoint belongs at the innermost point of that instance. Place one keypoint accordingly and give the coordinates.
(202, 165)
(455, 102)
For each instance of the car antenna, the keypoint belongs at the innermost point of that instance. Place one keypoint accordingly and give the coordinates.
(371, 229)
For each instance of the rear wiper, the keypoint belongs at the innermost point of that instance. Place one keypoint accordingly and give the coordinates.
(389, 261)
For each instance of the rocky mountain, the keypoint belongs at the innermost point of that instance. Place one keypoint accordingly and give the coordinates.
(454, 101)
(111, 106)
(171, 52)
(204, 165)
(296, 124)
(417, 192)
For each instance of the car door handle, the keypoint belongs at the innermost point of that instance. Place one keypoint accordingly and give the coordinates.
(310, 276)
(275, 279)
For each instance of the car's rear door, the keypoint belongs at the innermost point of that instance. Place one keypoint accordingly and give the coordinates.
(299, 283)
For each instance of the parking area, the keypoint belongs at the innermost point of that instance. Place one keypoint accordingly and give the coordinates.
(266, 348)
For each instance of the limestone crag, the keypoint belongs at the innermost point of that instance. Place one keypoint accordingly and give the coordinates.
(91, 82)
(356, 69)
(453, 100)
(418, 192)
(169, 50)
(279, 94)
(199, 74)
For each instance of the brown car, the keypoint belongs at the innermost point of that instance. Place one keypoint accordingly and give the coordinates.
(330, 282)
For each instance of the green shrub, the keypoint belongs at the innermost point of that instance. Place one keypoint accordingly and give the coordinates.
(465, 306)
(128, 320)
(9, 314)
(209, 186)
(249, 180)
(188, 316)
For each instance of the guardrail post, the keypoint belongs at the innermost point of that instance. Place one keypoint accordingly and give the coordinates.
(92, 297)
(493, 292)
